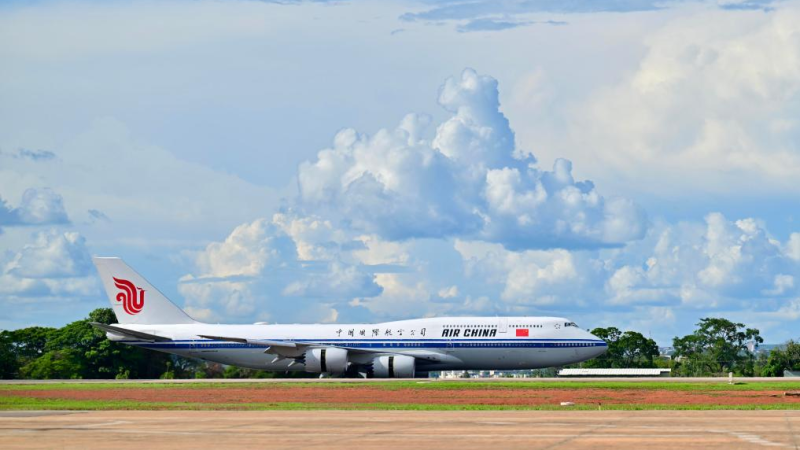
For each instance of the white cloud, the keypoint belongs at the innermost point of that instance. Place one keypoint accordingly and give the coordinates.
(712, 102)
(401, 297)
(260, 268)
(54, 264)
(710, 266)
(465, 182)
(792, 249)
(449, 292)
(38, 207)
(719, 263)
(531, 277)
(52, 254)
(247, 251)
(377, 251)
(339, 282)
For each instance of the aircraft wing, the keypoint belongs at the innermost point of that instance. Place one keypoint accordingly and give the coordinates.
(293, 349)
(259, 342)
(129, 333)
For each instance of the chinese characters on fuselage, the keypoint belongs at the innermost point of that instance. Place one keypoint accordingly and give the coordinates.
(377, 332)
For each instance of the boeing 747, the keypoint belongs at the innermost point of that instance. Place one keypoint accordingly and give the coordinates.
(400, 349)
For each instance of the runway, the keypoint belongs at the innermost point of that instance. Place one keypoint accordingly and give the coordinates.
(575, 430)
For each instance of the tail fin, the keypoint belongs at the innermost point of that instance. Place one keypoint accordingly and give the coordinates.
(133, 299)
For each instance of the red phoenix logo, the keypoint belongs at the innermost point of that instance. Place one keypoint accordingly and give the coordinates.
(132, 298)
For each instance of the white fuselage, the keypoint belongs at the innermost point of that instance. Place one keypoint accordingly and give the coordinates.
(458, 343)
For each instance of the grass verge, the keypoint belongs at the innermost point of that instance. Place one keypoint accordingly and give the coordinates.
(25, 403)
(721, 385)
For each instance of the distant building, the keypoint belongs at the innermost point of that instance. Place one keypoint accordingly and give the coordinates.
(576, 373)
(791, 373)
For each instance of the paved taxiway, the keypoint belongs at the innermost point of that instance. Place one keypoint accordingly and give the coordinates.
(574, 430)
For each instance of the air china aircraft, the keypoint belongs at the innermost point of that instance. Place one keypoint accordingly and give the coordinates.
(402, 349)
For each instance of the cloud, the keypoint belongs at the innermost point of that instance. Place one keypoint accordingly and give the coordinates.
(266, 265)
(52, 255)
(53, 265)
(450, 292)
(38, 207)
(697, 266)
(146, 189)
(490, 25)
(462, 10)
(706, 107)
(402, 297)
(34, 155)
(531, 277)
(496, 15)
(339, 282)
(713, 265)
(467, 181)
(760, 5)
(97, 216)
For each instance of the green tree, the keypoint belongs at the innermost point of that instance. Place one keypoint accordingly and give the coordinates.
(29, 343)
(54, 364)
(717, 346)
(78, 350)
(780, 359)
(9, 366)
(625, 350)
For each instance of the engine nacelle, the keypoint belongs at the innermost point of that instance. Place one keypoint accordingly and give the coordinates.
(326, 360)
(394, 366)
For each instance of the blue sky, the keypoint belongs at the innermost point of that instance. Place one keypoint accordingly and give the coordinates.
(629, 164)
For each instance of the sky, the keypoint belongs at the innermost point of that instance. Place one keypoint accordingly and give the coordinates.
(625, 163)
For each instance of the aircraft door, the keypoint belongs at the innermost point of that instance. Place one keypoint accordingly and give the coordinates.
(503, 328)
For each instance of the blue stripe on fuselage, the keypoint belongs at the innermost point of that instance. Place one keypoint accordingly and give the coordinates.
(385, 344)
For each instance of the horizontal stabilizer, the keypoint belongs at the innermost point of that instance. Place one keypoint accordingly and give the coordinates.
(129, 333)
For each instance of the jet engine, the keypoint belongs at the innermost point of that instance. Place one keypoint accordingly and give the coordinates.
(393, 366)
(326, 360)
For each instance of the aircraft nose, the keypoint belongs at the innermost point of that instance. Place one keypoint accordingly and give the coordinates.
(600, 346)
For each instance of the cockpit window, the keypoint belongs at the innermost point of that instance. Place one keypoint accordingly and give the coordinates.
(571, 324)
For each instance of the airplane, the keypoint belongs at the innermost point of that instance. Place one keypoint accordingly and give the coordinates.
(399, 349)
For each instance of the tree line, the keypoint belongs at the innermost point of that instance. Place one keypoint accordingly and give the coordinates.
(78, 350)
(715, 348)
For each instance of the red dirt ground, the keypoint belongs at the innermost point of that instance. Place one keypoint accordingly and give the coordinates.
(367, 394)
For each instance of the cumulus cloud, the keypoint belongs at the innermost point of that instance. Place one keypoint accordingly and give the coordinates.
(53, 264)
(52, 255)
(38, 207)
(264, 265)
(469, 180)
(713, 101)
(531, 277)
(711, 265)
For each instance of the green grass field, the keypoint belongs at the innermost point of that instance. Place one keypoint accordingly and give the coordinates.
(722, 385)
(9, 403)
(13, 397)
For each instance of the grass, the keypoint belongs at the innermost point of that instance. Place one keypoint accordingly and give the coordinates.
(721, 385)
(12, 400)
(25, 403)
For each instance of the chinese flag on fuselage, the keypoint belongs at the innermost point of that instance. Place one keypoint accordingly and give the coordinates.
(522, 332)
